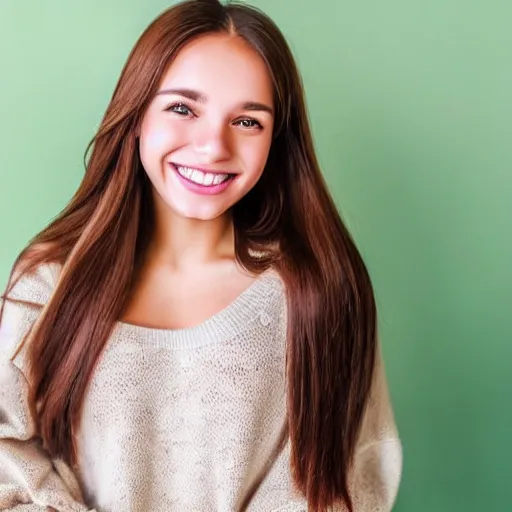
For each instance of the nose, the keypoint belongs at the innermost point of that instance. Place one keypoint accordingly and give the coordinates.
(211, 142)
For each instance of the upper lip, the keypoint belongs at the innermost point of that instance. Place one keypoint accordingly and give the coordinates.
(202, 169)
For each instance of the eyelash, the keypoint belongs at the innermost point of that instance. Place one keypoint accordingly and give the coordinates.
(177, 105)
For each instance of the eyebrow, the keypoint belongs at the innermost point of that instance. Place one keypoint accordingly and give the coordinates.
(201, 98)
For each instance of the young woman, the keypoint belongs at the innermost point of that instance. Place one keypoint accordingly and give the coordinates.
(196, 331)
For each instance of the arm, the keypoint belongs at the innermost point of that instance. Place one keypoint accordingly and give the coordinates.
(377, 469)
(30, 481)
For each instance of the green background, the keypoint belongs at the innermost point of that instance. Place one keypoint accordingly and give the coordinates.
(411, 107)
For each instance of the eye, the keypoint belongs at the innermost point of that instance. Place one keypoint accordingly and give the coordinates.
(180, 109)
(249, 123)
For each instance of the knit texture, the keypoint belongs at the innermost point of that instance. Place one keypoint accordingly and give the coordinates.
(177, 420)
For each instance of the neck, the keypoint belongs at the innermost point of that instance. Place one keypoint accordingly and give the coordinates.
(184, 243)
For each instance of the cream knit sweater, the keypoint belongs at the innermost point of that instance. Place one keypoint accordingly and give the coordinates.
(177, 420)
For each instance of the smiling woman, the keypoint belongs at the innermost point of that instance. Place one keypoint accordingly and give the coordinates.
(196, 331)
(208, 130)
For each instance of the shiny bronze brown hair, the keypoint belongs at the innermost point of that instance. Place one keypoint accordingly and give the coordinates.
(101, 236)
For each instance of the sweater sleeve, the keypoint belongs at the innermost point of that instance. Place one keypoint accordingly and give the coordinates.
(30, 481)
(377, 469)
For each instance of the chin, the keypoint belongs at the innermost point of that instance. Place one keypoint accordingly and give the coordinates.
(201, 215)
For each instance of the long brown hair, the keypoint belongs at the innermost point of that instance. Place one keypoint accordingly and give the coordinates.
(289, 216)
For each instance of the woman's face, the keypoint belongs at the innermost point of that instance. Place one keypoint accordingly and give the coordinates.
(205, 137)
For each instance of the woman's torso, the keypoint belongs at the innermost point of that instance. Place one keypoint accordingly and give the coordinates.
(186, 419)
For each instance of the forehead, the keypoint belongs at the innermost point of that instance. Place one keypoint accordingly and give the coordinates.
(221, 66)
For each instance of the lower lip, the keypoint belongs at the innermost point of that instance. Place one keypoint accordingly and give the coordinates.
(202, 189)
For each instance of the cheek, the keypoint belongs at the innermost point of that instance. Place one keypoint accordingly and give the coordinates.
(256, 156)
(156, 140)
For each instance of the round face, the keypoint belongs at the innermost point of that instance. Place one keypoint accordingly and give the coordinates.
(205, 138)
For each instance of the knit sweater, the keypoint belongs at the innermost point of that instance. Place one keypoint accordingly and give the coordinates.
(177, 420)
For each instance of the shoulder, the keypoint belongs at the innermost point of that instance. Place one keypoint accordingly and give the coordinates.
(36, 287)
(22, 305)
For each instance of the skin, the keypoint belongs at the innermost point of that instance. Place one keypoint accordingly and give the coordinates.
(211, 135)
(190, 271)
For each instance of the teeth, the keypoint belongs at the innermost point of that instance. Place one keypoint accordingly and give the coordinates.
(200, 177)
(197, 177)
(219, 178)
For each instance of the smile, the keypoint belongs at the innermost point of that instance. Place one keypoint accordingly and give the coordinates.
(205, 179)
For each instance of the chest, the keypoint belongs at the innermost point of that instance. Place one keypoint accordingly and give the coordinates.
(165, 301)
(205, 418)
(194, 409)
